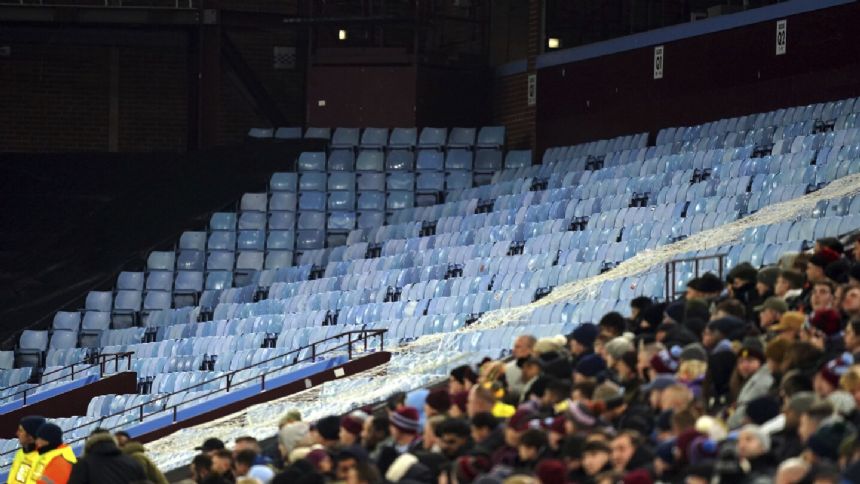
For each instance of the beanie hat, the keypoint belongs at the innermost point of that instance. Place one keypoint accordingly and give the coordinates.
(794, 278)
(768, 275)
(762, 409)
(727, 325)
(666, 361)
(826, 440)
(750, 350)
(824, 256)
(521, 420)
(744, 271)
(641, 302)
(639, 476)
(694, 351)
(665, 451)
(801, 402)
(469, 467)
(838, 271)
(706, 283)
(702, 448)
(683, 441)
(439, 400)
(585, 334)
(675, 311)
(556, 424)
(351, 425)
(551, 471)
(459, 399)
(760, 434)
(591, 365)
(834, 369)
(50, 432)
(405, 419)
(609, 393)
(696, 309)
(832, 243)
(31, 424)
(616, 347)
(653, 314)
(581, 416)
(292, 434)
(328, 427)
(827, 320)
(316, 456)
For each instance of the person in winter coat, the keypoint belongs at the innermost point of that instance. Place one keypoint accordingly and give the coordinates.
(55, 458)
(136, 451)
(759, 381)
(104, 463)
(27, 455)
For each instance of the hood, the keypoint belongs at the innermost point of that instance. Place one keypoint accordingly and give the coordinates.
(101, 444)
(132, 447)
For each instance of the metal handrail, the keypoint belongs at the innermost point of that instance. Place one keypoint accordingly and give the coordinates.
(102, 362)
(363, 336)
(672, 265)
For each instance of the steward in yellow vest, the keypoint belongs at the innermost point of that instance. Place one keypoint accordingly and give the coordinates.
(27, 455)
(55, 458)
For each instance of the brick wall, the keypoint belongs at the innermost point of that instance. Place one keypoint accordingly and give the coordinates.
(54, 98)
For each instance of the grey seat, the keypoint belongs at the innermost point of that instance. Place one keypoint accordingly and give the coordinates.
(341, 160)
(345, 138)
(403, 138)
(374, 138)
(318, 133)
(160, 260)
(126, 306)
(129, 281)
(290, 132)
(66, 320)
(192, 241)
(491, 137)
(400, 160)
(186, 288)
(433, 138)
(223, 221)
(31, 348)
(254, 202)
(63, 339)
(99, 301)
(284, 182)
(461, 138)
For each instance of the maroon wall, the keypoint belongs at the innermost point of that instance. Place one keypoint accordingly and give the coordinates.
(724, 74)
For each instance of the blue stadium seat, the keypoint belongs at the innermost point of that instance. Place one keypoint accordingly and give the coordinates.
(191, 260)
(277, 259)
(254, 202)
(187, 286)
(310, 239)
(345, 138)
(281, 240)
(161, 261)
(126, 305)
(218, 280)
(341, 181)
(310, 161)
(261, 133)
(433, 138)
(458, 159)
(341, 200)
(400, 160)
(312, 201)
(92, 327)
(313, 182)
(284, 182)
(225, 221)
(429, 160)
(31, 347)
(318, 133)
(291, 132)
(132, 281)
(461, 138)
(518, 159)
(400, 181)
(64, 320)
(491, 137)
(430, 182)
(367, 181)
(99, 301)
(311, 220)
(373, 161)
(220, 260)
(374, 138)
(371, 201)
(222, 241)
(341, 221)
(282, 220)
(341, 160)
(397, 200)
(252, 240)
(159, 281)
(403, 138)
(192, 241)
(283, 202)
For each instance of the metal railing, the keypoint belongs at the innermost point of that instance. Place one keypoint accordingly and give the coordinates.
(102, 361)
(174, 4)
(352, 337)
(671, 267)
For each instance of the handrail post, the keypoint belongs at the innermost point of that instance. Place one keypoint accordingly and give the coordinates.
(382, 341)
(141, 412)
(667, 283)
(349, 345)
(25, 396)
(73, 371)
(314, 350)
(696, 267)
(262, 382)
(364, 337)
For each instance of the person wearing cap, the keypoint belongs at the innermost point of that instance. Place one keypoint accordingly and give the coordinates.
(54, 465)
(210, 446)
(819, 261)
(789, 325)
(826, 381)
(786, 442)
(756, 377)
(326, 432)
(581, 341)
(742, 280)
(27, 454)
(707, 286)
(350, 430)
(770, 311)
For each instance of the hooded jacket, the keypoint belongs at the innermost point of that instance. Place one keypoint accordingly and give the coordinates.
(136, 451)
(104, 463)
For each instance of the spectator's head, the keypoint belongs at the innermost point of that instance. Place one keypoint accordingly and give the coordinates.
(812, 418)
(469, 467)
(374, 431)
(789, 325)
(244, 460)
(364, 473)
(827, 440)
(852, 335)
(791, 471)
(532, 367)
(795, 406)
(211, 445)
(524, 346)
(518, 423)
(831, 243)
(453, 435)
(49, 436)
(582, 339)
(638, 304)
(27, 428)
(828, 321)
(750, 359)
(823, 295)
(222, 462)
(482, 426)
(589, 368)
(122, 438)
(461, 379)
(293, 435)
(404, 424)
(320, 460)
(775, 353)
(676, 398)
(827, 379)
(788, 280)
(201, 467)
(770, 311)
(350, 430)
(850, 304)
(818, 262)
(730, 308)
(290, 417)
(481, 399)
(246, 442)
(766, 281)
(752, 442)
(595, 457)
(533, 442)
(612, 324)
(327, 430)
(430, 437)
(706, 286)
(741, 275)
(622, 447)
